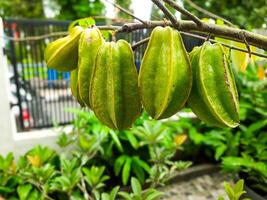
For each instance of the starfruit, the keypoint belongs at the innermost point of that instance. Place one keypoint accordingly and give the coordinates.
(114, 95)
(90, 41)
(62, 54)
(165, 76)
(214, 97)
(74, 86)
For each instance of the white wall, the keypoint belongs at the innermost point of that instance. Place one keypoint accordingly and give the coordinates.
(10, 139)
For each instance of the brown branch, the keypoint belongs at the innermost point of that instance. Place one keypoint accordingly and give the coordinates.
(234, 34)
(230, 33)
(226, 45)
(144, 41)
(208, 13)
(184, 11)
(171, 17)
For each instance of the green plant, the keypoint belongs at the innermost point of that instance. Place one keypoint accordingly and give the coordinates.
(162, 144)
(26, 192)
(138, 194)
(125, 164)
(235, 192)
(95, 178)
(8, 175)
(69, 176)
(112, 195)
(222, 142)
(125, 150)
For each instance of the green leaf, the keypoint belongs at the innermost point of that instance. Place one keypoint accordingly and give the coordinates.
(256, 126)
(24, 191)
(35, 194)
(132, 139)
(239, 186)
(220, 198)
(118, 164)
(136, 186)
(76, 195)
(142, 164)
(63, 140)
(84, 22)
(229, 191)
(106, 34)
(125, 195)
(154, 195)
(138, 171)
(105, 196)
(238, 194)
(4, 190)
(195, 136)
(114, 192)
(126, 171)
(219, 151)
(96, 194)
(116, 140)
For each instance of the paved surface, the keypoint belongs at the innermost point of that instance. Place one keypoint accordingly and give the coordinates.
(207, 187)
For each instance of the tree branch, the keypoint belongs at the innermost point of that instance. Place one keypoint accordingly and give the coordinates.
(184, 11)
(230, 33)
(144, 41)
(208, 13)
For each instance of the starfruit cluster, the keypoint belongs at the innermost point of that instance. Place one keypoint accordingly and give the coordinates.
(103, 74)
(104, 77)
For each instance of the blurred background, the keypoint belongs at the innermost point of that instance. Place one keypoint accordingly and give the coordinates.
(39, 95)
(40, 99)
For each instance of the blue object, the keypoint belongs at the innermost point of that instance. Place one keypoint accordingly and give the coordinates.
(66, 75)
(51, 76)
(137, 64)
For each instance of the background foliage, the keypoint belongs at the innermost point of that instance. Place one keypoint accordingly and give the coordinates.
(75, 9)
(124, 4)
(21, 9)
(246, 14)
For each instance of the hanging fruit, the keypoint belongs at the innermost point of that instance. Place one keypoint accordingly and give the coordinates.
(62, 54)
(214, 97)
(114, 95)
(165, 76)
(90, 41)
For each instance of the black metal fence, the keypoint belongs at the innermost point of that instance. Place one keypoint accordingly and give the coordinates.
(40, 95)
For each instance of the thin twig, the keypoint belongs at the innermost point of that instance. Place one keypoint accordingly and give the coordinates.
(243, 36)
(171, 17)
(208, 37)
(139, 43)
(126, 11)
(183, 11)
(144, 41)
(208, 13)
